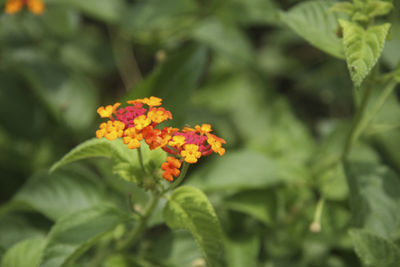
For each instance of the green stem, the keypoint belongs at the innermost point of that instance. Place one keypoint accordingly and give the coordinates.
(381, 100)
(363, 119)
(139, 151)
(315, 226)
(134, 236)
(358, 124)
(180, 178)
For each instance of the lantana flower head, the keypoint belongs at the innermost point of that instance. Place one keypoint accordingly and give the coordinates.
(191, 144)
(138, 121)
(35, 6)
(133, 122)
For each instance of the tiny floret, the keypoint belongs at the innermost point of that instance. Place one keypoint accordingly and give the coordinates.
(191, 153)
(171, 168)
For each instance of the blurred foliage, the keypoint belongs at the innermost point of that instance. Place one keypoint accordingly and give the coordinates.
(271, 78)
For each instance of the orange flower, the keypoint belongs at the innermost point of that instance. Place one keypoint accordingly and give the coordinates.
(171, 168)
(35, 6)
(157, 138)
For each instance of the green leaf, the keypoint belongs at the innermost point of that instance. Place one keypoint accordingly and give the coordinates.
(242, 251)
(374, 197)
(25, 253)
(378, 8)
(189, 208)
(60, 193)
(260, 204)
(225, 39)
(109, 11)
(73, 234)
(126, 161)
(343, 7)
(362, 48)
(174, 81)
(313, 21)
(96, 148)
(241, 170)
(390, 53)
(374, 250)
(15, 228)
(158, 21)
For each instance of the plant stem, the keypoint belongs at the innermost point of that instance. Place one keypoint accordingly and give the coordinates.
(180, 178)
(315, 226)
(125, 60)
(358, 124)
(139, 151)
(362, 119)
(134, 236)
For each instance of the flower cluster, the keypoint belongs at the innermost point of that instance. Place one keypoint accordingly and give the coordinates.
(138, 121)
(35, 6)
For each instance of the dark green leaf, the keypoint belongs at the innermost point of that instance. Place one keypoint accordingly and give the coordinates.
(109, 11)
(174, 81)
(25, 253)
(61, 193)
(15, 228)
(374, 197)
(243, 251)
(75, 233)
(189, 208)
(374, 250)
(313, 21)
(260, 204)
(224, 39)
(242, 170)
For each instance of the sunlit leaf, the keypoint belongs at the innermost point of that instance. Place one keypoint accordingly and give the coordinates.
(125, 160)
(189, 208)
(362, 48)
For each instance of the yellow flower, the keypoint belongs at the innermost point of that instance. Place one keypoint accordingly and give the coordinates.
(106, 112)
(132, 138)
(151, 102)
(177, 140)
(203, 129)
(159, 115)
(35, 6)
(110, 130)
(191, 153)
(216, 144)
(141, 122)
